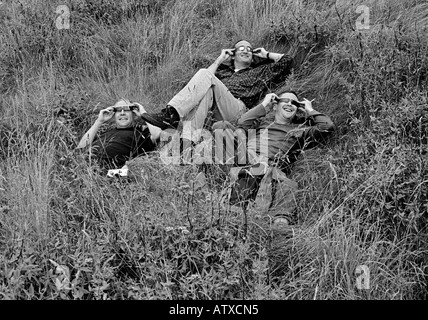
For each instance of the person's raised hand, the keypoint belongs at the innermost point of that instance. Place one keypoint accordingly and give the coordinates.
(260, 52)
(308, 105)
(225, 54)
(140, 110)
(105, 114)
(268, 101)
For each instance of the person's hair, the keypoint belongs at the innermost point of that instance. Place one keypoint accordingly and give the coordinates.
(124, 100)
(236, 42)
(290, 91)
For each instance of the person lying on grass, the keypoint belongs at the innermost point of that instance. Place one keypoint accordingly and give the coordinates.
(126, 140)
(263, 151)
(237, 80)
(272, 149)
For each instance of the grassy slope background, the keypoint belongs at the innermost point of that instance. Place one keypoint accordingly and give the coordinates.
(68, 233)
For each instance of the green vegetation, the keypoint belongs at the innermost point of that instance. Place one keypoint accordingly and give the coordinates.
(67, 232)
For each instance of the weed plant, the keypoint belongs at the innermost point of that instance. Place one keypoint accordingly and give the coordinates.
(69, 232)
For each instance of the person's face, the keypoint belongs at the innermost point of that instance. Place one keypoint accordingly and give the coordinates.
(243, 52)
(123, 116)
(286, 110)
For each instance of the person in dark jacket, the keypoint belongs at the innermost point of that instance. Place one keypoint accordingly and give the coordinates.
(126, 140)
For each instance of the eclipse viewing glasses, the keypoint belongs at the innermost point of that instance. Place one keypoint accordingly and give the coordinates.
(242, 48)
(249, 49)
(294, 102)
(125, 108)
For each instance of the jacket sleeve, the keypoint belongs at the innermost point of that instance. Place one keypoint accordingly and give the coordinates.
(321, 128)
(251, 118)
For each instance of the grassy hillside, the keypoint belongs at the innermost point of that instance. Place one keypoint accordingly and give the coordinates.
(67, 232)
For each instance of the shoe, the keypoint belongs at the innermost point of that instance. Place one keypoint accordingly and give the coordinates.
(166, 118)
(123, 172)
(282, 226)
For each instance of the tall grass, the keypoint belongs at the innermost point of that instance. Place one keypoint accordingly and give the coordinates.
(68, 232)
